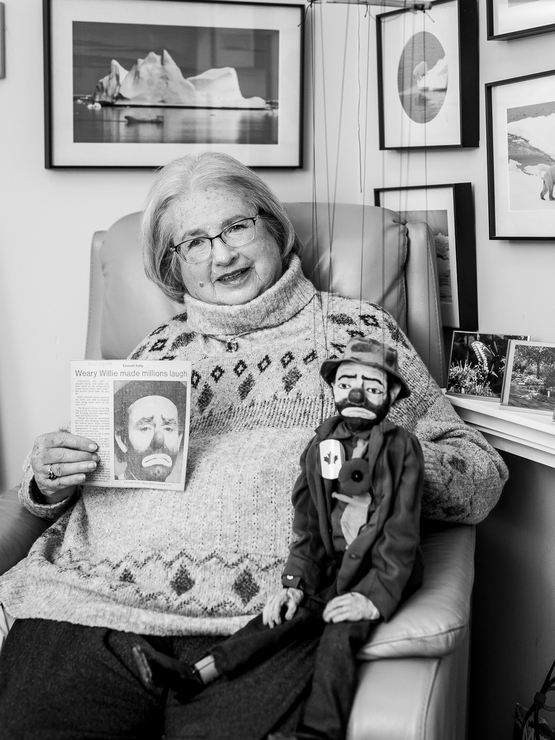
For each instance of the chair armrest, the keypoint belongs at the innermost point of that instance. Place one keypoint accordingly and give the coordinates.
(412, 698)
(18, 529)
(434, 621)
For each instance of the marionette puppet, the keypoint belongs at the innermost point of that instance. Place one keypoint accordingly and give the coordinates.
(356, 556)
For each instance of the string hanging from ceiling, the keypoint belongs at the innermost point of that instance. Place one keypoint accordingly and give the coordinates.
(329, 156)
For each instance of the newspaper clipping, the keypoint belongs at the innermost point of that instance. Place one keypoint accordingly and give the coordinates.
(138, 414)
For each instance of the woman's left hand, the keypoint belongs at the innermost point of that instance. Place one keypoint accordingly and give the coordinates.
(351, 607)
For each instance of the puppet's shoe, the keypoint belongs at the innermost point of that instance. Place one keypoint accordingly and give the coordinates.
(157, 670)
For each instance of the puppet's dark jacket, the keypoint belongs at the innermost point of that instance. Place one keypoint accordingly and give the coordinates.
(384, 561)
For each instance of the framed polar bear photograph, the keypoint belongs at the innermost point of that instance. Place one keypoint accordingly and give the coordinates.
(520, 119)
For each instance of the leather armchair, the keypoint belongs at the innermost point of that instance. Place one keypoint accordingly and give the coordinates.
(413, 673)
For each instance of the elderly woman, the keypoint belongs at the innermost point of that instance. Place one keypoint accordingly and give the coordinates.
(182, 570)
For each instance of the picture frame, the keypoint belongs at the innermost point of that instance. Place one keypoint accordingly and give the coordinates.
(520, 114)
(428, 94)
(165, 78)
(513, 19)
(2, 43)
(449, 212)
(530, 377)
(477, 364)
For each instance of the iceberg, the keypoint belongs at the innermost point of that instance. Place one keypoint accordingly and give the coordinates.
(156, 80)
(108, 87)
(434, 78)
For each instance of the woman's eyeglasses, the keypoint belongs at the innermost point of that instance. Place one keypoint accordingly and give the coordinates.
(199, 248)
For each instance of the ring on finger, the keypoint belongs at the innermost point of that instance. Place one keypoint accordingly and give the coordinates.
(51, 474)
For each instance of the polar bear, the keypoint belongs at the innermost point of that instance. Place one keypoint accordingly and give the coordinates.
(548, 182)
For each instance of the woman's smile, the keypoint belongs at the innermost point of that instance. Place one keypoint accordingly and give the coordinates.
(234, 276)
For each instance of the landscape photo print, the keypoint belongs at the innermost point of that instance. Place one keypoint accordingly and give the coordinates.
(163, 78)
(521, 157)
(530, 377)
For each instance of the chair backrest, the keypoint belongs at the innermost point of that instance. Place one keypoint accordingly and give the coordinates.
(357, 251)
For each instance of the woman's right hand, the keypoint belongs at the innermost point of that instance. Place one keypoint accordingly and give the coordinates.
(66, 456)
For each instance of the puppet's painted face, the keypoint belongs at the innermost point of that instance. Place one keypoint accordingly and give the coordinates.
(361, 394)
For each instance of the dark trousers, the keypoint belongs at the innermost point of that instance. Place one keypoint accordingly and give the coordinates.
(328, 706)
(60, 681)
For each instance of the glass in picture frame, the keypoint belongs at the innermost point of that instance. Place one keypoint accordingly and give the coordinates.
(530, 377)
(477, 364)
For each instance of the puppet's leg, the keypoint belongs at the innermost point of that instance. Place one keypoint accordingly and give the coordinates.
(331, 697)
(248, 647)
(256, 642)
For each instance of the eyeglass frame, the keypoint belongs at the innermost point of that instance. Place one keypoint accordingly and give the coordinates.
(175, 247)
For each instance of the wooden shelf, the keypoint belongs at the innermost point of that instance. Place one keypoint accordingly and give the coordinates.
(522, 433)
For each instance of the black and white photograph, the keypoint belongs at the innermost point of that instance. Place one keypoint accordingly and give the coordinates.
(477, 364)
(531, 153)
(426, 100)
(511, 19)
(269, 470)
(530, 379)
(173, 76)
(150, 419)
(521, 147)
(423, 77)
(448, 210)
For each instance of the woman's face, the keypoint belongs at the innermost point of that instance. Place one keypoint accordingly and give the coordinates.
(229, 276)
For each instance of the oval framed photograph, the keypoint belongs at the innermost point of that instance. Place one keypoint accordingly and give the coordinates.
(423, 77)
(428, 92)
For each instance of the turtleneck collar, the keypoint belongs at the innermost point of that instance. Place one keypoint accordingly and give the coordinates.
(279, 303)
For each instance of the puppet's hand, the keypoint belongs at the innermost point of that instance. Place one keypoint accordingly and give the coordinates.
(351, 607)
(289, 597)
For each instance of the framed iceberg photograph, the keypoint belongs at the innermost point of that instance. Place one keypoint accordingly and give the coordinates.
(513, 19)
(520, 115)
(428, 93)
(136, 83)
(448, 210)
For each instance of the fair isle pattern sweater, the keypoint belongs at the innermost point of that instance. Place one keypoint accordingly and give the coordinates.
(202, 560)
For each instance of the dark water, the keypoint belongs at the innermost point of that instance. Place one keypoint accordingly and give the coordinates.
(422, 107)
(108, 125)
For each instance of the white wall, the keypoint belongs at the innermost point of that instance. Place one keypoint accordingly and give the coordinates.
(47, 217)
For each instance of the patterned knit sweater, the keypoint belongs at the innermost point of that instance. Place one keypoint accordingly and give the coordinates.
(202, 561)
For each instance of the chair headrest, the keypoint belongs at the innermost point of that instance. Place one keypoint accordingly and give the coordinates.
(356, 251)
